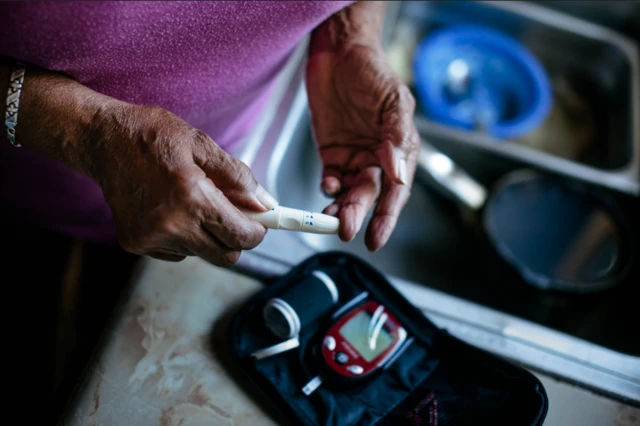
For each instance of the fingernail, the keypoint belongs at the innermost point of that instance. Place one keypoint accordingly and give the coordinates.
(401, 169)
(265, 198)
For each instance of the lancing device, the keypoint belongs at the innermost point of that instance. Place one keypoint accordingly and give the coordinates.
(296, 220)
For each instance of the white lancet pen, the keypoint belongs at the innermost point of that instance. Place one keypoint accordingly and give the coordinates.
(296, 220)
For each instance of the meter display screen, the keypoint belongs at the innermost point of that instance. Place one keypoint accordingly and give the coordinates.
(356, 332)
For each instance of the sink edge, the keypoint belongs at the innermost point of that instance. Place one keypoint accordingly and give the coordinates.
(571, 359)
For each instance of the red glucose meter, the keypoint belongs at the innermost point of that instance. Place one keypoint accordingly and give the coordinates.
(362, 340)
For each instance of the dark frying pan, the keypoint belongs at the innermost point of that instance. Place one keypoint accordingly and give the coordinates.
(557, 234)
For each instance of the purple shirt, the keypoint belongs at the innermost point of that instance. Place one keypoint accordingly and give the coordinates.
(211, 63)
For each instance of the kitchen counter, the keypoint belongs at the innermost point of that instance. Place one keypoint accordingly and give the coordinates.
(154, 365)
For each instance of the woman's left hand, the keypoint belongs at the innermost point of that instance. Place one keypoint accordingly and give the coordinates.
(362, 116)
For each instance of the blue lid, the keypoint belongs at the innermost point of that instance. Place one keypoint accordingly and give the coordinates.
(505, 87)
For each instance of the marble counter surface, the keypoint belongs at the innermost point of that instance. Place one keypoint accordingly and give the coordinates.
(155, 365)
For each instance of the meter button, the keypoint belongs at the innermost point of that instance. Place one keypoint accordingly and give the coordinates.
(341, 358)
(355, 369)
(330, 343)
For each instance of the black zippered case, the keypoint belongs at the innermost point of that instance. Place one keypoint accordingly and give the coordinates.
(437, 380)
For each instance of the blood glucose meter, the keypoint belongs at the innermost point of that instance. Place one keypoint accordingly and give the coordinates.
(360, 342)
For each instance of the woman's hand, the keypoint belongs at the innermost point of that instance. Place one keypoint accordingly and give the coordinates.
(172, 191)
(363, 123)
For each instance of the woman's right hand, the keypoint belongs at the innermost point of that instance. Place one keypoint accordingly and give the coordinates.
(172, 191)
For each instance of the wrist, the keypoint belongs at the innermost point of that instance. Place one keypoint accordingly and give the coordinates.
(57, 117)
(96, 136)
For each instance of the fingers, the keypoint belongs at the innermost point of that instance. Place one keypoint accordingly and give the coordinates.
(399, 142)
(358, 202)
(341, 162)
(393, 162)
(330, 184)
(332, 209)
(385, 217)
(397, 155)
(206, 246)
(200, 222)
(232, 228)
(399, 163)
(353, 205)
(233, 177)
(196, 241)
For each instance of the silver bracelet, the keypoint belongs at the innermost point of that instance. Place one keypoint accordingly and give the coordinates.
(13, 102)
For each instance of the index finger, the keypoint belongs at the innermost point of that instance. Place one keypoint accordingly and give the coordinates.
(358, 201)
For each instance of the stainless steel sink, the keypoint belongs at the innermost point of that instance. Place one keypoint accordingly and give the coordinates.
(442, 266)
(600, 66)
(416, 238)
(621, 16)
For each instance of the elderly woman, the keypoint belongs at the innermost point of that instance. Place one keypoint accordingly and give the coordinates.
(121, 114)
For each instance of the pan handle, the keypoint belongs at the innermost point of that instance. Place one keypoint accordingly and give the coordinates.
(450, 177)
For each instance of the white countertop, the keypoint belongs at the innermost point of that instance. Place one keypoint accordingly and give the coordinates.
(155, 365)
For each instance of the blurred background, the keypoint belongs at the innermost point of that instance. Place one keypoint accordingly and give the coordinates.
(536, 91)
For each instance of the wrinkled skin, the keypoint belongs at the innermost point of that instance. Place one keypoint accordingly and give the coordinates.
(363, 125)
(173, 192)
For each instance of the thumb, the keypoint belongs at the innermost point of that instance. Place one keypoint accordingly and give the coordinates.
(233, 177)
(393, 161)
(398, 143)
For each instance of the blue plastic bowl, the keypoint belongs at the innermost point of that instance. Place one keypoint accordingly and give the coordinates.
(508, 82)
